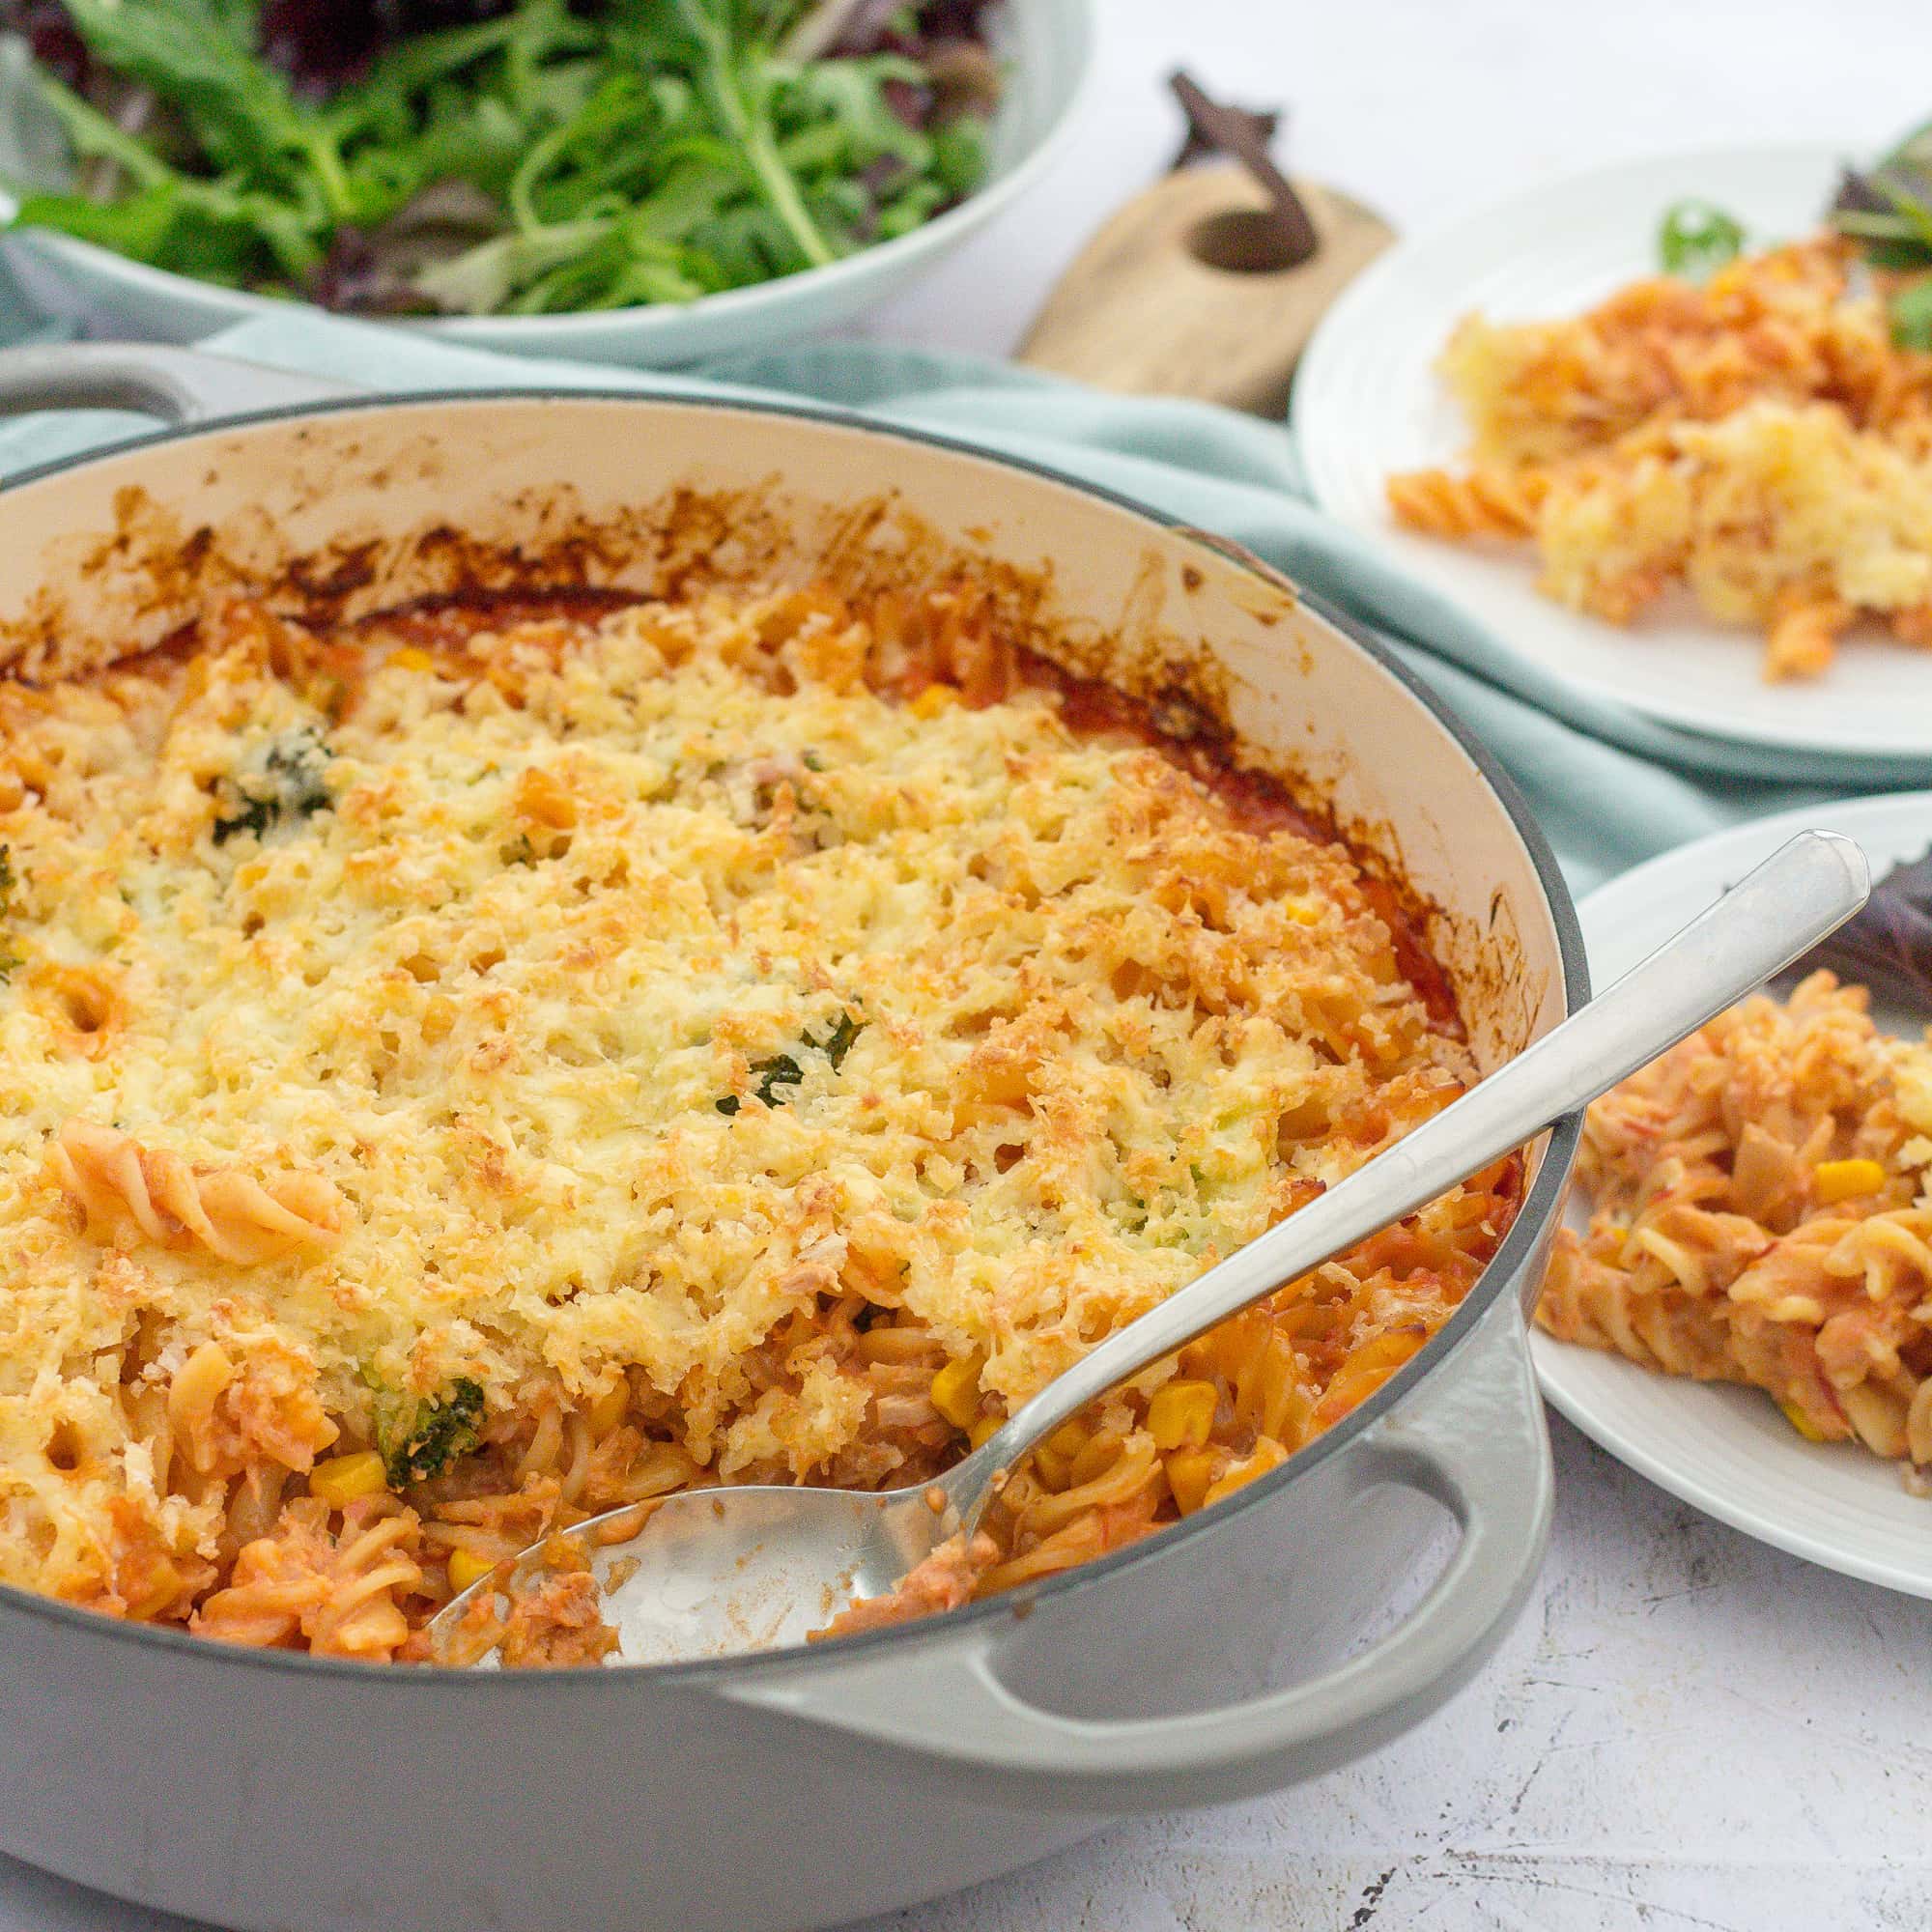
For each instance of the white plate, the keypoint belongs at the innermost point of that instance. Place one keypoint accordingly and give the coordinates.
(1368, 401)
(1728, 1451)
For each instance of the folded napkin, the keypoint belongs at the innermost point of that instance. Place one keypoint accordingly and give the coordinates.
(1610, 787)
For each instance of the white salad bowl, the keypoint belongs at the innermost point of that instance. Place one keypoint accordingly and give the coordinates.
(1045, 47)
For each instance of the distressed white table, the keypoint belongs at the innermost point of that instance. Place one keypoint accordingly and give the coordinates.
(1686, 1731)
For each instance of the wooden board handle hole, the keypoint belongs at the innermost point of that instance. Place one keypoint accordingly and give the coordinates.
(1243, 242)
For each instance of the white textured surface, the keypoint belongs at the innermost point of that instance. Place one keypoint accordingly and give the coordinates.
(1688, 1732)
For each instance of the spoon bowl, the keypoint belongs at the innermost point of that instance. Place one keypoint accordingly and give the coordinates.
(717, 1571)
(712, 1572)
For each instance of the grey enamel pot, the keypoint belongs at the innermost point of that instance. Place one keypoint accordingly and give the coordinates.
(1223, 1657)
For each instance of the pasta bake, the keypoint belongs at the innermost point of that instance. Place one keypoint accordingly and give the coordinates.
(1762, 1213)
(489, 1064)
(1759, 440)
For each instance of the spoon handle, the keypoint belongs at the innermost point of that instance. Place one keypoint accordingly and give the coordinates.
(1804, 891)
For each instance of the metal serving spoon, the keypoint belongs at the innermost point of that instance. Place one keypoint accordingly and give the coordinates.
(723, 1570)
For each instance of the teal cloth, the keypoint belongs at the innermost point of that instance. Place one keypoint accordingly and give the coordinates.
(1610, 787)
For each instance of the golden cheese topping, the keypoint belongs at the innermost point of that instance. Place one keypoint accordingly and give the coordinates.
(614, 998)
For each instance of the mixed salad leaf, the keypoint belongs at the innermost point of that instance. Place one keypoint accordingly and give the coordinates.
(1696, 238)
(503, 157)
(1886, 209)
(1887, 945)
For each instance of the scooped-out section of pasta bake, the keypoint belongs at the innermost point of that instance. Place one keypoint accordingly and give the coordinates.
(492, 1063)
(1762, 1213)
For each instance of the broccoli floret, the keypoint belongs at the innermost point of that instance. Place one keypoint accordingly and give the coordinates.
(782, 1070)
(288, 782)
(420, 1440)
(779, 1070)
(837, 1041)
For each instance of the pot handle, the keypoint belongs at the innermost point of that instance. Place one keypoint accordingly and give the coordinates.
(178, 386)
(1472, 1435)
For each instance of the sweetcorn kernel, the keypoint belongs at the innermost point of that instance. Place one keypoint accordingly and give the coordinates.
(1802, 1422)
(984, 1430)
(341, 1479)
(1846, 1180)
(1181, 1413)
(1190, 1474)
(933, 699)
(955, 1391)
(466, 1568)
(1053, 1459)
(409, 658)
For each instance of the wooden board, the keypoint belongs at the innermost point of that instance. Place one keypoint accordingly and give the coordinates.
(1181, 293)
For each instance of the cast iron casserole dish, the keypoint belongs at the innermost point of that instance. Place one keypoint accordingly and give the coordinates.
(803, 1788)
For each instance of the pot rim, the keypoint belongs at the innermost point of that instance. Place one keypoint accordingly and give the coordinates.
(1540, 1204)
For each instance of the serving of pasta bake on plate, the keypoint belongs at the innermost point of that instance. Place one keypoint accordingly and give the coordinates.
(490, 1064)
(1700, 497)
(1739, 1305)
(1758, 439)
(1761, 1212)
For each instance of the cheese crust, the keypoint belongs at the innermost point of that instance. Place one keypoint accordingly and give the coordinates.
(629, 1016)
